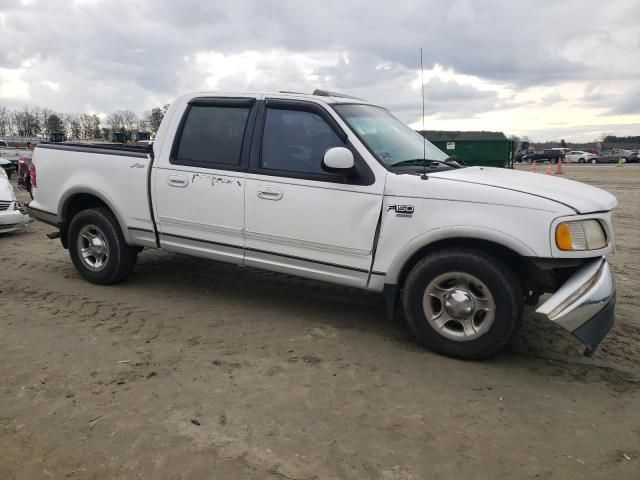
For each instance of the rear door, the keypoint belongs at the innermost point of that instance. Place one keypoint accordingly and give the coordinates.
(199, 192)
(299, 218)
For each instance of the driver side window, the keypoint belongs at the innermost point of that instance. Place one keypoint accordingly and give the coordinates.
(296, 141)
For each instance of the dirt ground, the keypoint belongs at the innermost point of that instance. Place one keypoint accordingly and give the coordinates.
(198, 370)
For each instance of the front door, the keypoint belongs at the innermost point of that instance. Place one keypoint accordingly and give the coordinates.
(199, 193)
(301, 219)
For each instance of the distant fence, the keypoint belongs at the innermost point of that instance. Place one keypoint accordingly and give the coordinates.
(15, 141)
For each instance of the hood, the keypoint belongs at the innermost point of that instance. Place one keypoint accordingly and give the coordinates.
(579, 196)
(6, 190)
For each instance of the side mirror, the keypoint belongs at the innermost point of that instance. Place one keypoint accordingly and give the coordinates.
(338, 160)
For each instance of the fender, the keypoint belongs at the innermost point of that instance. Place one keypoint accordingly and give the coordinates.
(87, 190)
(448, 233)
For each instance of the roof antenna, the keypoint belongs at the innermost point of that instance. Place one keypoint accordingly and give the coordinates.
(424, 139)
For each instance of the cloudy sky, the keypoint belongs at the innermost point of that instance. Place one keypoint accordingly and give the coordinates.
(547, 69)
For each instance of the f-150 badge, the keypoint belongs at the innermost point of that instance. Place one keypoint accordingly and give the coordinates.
(402, 210)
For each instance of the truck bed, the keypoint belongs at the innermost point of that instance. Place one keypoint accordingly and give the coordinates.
(116, 174)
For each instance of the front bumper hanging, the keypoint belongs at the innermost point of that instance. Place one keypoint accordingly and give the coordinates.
(584, 304)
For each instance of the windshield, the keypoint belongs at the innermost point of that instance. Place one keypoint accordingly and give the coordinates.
(391, 140)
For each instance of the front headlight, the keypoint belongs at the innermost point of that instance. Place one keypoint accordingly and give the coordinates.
(580, 235)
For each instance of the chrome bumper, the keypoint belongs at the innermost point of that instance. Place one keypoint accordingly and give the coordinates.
(584, 305)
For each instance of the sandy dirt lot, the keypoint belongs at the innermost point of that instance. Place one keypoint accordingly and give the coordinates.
(197, 370)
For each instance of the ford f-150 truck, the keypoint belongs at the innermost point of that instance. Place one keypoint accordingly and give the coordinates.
(339, 190)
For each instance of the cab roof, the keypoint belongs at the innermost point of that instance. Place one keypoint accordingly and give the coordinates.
(317, 95)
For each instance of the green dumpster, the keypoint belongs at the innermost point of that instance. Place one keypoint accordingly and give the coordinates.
(490, 149)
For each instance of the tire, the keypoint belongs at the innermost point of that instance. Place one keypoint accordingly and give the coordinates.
(108, 245)
(498, 283)
(581, 160)
(594, 161)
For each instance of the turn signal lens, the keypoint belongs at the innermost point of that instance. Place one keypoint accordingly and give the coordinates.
(563, 237)
(580, 235)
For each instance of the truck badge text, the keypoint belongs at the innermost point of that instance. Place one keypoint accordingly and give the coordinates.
(402, 210)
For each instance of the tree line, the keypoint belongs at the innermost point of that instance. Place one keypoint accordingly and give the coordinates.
(30, 121)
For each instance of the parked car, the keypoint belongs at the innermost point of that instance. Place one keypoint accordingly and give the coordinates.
(8, 166)
(12, 214)
(550, 155)
(607, 156)
(339, 190)
(626, 155)
(578, 156)
(11, 153)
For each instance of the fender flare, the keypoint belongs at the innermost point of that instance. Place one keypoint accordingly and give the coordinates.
(449, 233)
(86, 190)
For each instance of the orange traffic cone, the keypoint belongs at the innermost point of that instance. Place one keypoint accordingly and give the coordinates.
(559, 166)
(548, 171)
(533, 166)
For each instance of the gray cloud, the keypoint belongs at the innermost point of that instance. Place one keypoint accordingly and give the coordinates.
(108, 55)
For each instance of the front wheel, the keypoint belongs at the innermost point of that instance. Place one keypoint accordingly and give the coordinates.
(594, 161)
(462, 303)
(97, 247)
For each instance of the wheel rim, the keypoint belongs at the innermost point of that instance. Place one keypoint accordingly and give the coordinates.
(594, 161)
(93, 247)
(459, 306)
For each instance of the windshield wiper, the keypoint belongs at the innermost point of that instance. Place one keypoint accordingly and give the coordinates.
(449, 162)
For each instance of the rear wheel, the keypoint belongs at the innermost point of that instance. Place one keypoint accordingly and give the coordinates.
(97, 247)
(594, 161)
(581, 160)
(462, 303)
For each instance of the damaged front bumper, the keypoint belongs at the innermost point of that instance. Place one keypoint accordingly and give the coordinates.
(584, 304)
(11, 220)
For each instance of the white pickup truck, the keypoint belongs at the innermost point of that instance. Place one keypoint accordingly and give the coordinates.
(337, 189)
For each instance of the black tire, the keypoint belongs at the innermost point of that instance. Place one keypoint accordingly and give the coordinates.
(594, 161)
(121, 257)
(500, 280)
(581, 160)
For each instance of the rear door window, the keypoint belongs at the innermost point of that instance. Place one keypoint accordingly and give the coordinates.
(212, 136)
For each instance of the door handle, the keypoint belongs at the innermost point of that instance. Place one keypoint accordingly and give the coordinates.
(270, 193)
(177, 181)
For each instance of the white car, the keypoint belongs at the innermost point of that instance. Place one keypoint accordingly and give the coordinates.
(337, 189)
(12, 215)
(578, 156)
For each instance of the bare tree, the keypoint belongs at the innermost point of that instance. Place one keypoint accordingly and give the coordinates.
(45, 113)
(4, 120)
(130, 120)
(116, 122)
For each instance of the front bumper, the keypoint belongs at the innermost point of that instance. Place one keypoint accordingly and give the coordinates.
(584, 305)
(11, 220)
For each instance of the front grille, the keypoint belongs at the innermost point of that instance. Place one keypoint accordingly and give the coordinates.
(4, 205)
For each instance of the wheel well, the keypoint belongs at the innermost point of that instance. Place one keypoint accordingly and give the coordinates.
(511, 258)
(74, 205)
